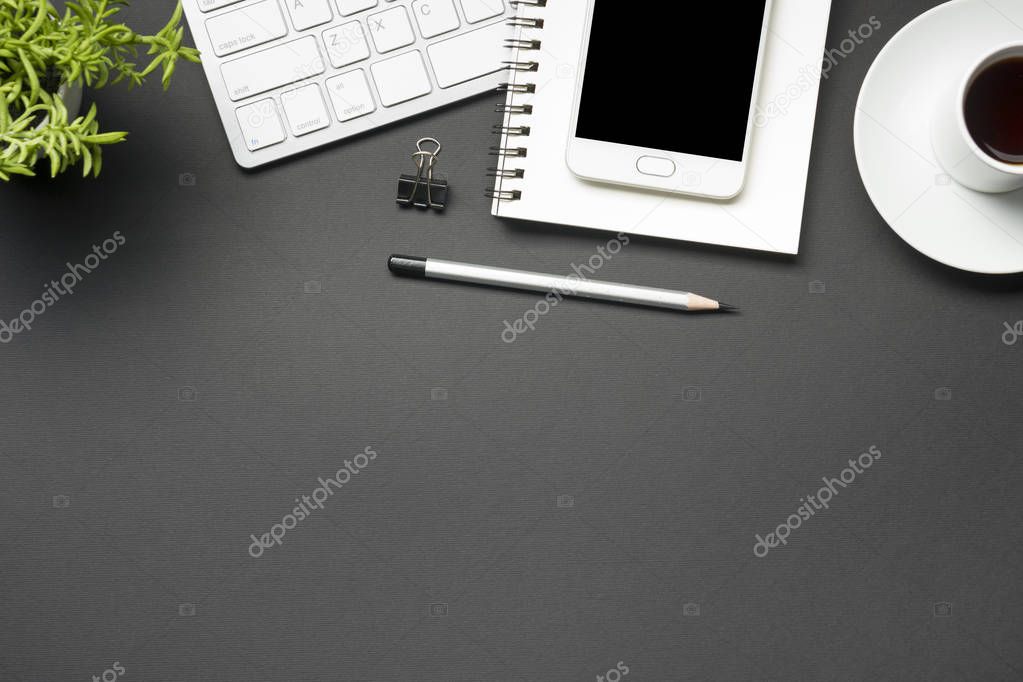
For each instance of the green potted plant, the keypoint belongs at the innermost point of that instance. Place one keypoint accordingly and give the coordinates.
(47, 57)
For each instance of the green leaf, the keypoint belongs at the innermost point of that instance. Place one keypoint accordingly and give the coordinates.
(104, 138)
(54, 162)
(86, 162)
(37, 23)
(30, 73)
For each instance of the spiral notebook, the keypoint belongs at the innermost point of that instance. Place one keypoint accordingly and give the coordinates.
(533, 181)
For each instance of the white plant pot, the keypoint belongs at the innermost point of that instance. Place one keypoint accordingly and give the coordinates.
(72, 96)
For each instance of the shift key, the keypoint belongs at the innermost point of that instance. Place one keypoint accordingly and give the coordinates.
(272, 68)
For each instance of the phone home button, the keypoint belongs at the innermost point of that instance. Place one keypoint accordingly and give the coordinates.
(655, 165)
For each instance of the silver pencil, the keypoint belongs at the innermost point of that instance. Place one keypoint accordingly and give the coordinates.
(432, 268)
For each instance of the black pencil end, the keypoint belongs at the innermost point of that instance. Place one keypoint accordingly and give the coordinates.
(407, 266)
(724, 307)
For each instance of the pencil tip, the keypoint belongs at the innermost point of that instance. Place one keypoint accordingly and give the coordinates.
(727, 308)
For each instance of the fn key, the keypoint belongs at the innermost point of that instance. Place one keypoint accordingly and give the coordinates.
(261, 126)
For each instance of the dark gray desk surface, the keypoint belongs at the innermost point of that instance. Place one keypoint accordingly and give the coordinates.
(449, 558)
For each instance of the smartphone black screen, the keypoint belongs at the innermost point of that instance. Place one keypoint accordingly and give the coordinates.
(676, 76)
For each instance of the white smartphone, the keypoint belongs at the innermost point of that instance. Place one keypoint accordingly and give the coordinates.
(666, 96)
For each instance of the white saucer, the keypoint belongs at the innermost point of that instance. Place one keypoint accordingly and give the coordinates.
(934, 214)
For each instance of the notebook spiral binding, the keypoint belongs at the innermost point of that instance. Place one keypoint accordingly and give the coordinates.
(523, 42)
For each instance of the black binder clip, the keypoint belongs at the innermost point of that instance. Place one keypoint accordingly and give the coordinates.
(417, 190)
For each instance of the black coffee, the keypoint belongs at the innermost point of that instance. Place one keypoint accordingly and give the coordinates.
(994, 110)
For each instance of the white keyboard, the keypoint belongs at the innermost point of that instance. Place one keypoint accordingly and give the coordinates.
(293, 75)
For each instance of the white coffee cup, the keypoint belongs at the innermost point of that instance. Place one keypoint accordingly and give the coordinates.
(958, 153)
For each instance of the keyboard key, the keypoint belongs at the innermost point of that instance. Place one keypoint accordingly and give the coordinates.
(401, 78)
(479, 10)
(261, 125)
(391, 29)
(308, 13)
(350, 7)
(305, 110)
(272, 68)
(470, 55)
(350, 95)
(435, 17)
(346, 44)
(210, 5)
(246, 27)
